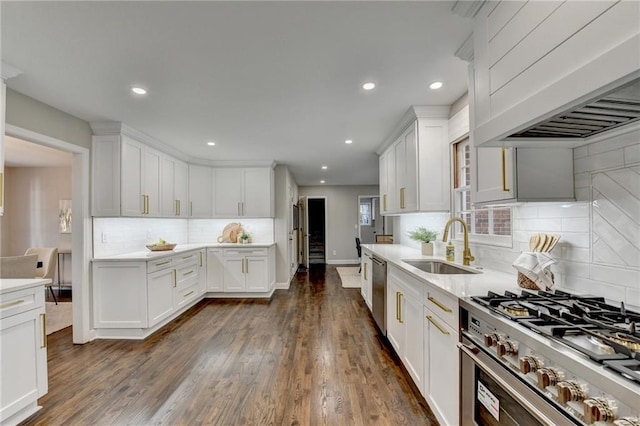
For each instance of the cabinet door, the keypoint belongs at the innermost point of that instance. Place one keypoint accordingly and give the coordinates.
(234, 276)
(256, 274)
(215, 270)
(202, 271)
(181, 188)
(3, 91)
(395, 325)
(392, 185)
(409, 189)
(257, 193)
(200, 191)
(24, 361)
(441, 368)
(228, 192)
(384, 182)
(169, 206)
(160, 290)
(413, 355)
(152, 160)
(493, 174)
(131, 201)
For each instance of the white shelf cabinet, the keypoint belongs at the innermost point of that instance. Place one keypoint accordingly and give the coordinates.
(533, 60)
(507, 175)
(414, 172)
(243, 192)
(175, 187)
(23, 353)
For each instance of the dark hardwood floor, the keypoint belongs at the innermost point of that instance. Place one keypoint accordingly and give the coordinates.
(309, 356)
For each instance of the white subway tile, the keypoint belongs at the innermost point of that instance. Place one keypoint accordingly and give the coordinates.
(541, 225)
(582, 180)
(581, 151)
(573, 269)
(575, 239)
(633, 299)
(632, 154)
(605, 160)
(580, 224)
(597, 288)
(569, 252)
(624, 277)
(526, 211)
(628, 139)
(563, 210)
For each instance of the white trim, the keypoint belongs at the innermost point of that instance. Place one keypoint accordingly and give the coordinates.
(413, 113)
(326, 226)
(283, 286)
(8, 71)
(81, 235)
(343, 262)
(465, 51)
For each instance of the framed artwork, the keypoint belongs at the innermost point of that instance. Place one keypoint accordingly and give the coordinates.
(64, 216)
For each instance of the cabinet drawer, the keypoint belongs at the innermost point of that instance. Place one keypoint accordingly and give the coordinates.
(187, 275)
(256, 251)
(444, 305)
(183, 258)
(412, 286)
(20, 301)
(159, 264)
(187, 294)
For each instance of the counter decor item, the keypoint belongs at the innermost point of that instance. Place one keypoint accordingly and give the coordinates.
(426, 237)
(534, 267)
(230, 233)
(244, 238)
(161, 245)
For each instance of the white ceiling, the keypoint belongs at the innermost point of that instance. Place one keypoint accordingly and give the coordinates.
(277, 81)
(19, 153)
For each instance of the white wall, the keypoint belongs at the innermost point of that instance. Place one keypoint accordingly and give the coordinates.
(342, 218)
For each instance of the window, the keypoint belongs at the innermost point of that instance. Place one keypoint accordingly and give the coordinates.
(365, 214)
(481, 220)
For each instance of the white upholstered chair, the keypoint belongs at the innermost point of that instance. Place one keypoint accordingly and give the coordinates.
(49, 258)
(18, 266)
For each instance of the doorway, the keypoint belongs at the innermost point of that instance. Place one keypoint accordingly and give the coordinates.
(317, 230)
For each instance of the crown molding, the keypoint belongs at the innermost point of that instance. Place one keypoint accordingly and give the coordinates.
(8, 71)
(465, 51)
(467, 8)
(414, 113)
(232, 163)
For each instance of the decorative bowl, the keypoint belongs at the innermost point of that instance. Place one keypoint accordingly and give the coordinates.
(161, 247)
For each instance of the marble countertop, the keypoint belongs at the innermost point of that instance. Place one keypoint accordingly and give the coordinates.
(462, 285)
(8, 285)
(180, 248)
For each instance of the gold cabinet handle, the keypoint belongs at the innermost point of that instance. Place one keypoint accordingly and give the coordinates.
(400, 308)
(402, 198)
(163, 263)
(504, 170)
(438, 304)
(144, 204)
(188, 294)
(384, 201)
(188, 273)
(200, 259)
(174, 275)
(239, 214)
(188, 257)
(190, 208)
(438, 326)
(365, 271)
(43, 321)
(177, 208)
(14, 303)
(242, 208)
(397, 306)
(247, 267)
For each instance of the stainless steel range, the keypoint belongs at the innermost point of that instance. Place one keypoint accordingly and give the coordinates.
(548, 358)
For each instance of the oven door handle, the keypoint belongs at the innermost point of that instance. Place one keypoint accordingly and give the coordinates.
(471, 352)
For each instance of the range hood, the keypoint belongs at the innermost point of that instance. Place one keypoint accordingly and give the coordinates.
(612, 110)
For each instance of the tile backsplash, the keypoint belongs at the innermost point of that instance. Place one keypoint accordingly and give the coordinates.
(112, 236)
(599, 251)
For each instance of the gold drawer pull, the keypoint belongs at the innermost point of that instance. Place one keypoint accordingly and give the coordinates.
(163, 263)
(175, 278)
(14, 303)
(438, 326)
(188, 257)
(43, 321)
(504, 170)
(400, 308)
(188, 294)
(188, 273)
(438, 304)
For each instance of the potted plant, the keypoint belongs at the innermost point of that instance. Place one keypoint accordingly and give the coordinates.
(425, 236)
(243, 238)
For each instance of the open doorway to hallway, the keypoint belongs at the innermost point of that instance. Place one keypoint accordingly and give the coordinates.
(371, 224)
(317, 230)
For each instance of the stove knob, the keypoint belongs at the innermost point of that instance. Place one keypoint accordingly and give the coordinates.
(548, 377)
(507, 347)
(530, 364)
(570, 391)
(491, 339)
(599, 410)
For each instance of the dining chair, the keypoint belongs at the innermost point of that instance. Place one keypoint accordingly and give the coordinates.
(359, 249)
(49, 257)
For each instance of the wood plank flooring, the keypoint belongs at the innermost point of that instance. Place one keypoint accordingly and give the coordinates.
(309, 356)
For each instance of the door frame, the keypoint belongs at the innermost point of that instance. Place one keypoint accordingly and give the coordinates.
(81, 236)
(326, 227)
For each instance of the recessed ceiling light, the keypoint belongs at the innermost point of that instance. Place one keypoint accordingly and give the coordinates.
(211, 143)
(324, 167)
(321, 181)
(348, 141)
(139, 90)
(368, 86)
(435, 85)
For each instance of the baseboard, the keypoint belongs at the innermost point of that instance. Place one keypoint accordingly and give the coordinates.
(282, 286)
(343, 262)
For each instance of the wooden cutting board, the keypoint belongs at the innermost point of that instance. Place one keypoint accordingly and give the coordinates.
(230, 233)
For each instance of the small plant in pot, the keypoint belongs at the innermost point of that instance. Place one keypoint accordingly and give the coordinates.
(426, 237)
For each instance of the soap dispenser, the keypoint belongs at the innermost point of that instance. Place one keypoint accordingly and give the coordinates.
(451, 252)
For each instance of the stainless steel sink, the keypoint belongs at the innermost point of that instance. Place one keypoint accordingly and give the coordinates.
(438, 267)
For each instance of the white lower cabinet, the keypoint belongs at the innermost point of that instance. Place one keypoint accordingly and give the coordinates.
(248, 269)
(215, 270)
(202, 271)
(23, 353)
(441, 368)
(366, 279)
(160, 291)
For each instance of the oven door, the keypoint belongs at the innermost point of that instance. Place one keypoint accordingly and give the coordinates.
(491, 395)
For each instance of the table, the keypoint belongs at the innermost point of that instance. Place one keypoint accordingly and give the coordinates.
(61, 254)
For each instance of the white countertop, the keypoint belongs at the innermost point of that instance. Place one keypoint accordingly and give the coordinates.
(462, 285)
(8, 285)
(180, 248)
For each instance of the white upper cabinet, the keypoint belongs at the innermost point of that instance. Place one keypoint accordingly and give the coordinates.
(3, 94)
(200, 191)
(245, 192)
(533, 60)
(175, 187)
(414, 171)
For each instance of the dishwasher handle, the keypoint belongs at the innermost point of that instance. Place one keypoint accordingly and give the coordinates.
(378, 261)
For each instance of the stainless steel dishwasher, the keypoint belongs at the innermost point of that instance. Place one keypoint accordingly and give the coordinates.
(379, 293)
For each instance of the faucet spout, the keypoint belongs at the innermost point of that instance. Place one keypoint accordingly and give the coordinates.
(467, 258)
